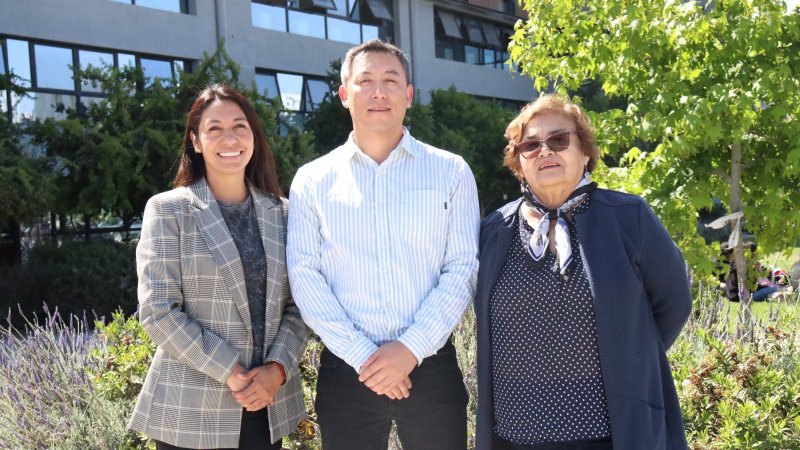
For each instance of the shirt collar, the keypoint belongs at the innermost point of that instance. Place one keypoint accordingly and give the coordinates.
(407, 143)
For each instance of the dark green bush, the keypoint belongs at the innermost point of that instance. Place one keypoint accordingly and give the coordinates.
(82, 278)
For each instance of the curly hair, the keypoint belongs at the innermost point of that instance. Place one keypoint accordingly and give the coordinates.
(549, 104)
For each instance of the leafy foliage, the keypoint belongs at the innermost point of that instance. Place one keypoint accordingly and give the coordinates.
(739, 394)
(46, 397)
(26, 193)
(698, 82)
(331, 123)
(97, 277)
(114, 154)
(122, 356)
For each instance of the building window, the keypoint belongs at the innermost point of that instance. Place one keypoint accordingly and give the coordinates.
(176, 6)
(53, 67)
(471, 40)
(45, 71)
(351, 21)
(299, 95)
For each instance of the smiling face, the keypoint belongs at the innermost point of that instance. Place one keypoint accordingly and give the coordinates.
(225, 138)
(377, 94)
(553, 176)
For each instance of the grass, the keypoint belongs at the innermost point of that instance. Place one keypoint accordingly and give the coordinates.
(761, 310)
(784, 260)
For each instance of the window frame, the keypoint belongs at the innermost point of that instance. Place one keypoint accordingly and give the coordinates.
(78, 92)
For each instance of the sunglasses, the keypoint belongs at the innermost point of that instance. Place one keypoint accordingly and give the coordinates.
(556, 142)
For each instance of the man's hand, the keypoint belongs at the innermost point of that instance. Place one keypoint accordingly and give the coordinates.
(386, 371)
(263, 383)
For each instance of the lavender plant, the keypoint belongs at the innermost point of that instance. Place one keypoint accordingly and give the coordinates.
(46, 397)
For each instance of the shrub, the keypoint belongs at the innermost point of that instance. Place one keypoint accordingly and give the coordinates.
(121, 357)
(95, 276)
(46, 397)
(739, 393)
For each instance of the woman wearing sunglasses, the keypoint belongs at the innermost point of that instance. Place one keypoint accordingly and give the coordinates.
(580, 292)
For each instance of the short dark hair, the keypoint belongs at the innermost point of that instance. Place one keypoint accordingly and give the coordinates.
(261, 171)
(378, 46)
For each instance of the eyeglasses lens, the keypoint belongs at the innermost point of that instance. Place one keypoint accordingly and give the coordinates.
(556, 142)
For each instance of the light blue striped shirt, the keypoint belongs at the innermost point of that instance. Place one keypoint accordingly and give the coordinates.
(383, 252)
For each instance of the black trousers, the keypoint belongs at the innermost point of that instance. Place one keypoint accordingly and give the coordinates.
(591, 444)
(254, 434)
(352, 417)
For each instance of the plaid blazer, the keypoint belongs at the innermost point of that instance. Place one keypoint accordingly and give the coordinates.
(193, 305)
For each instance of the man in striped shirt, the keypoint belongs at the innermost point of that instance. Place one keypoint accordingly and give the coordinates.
(382, 253)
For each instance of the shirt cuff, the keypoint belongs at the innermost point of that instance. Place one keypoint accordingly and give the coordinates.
(359, 353)
(417, 343)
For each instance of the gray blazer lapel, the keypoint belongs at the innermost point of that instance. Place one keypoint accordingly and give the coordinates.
(270, 222)
(212, 227)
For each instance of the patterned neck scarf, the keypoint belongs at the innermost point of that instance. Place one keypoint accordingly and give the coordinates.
(537, 246)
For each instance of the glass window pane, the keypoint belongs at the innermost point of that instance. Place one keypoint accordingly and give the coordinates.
(53, 67)
(378, 9)
(164, 5)
(316, 93)
(490, 32)
(488, 57)
(472, 55)
(474, 32)
(94, 59)
(369, 32)
(2, 58)
(38, 105)
(343, 31)
(449, 25)
(291, 90)
(341, 8)
(307, 24)
(19, 61)
(125, 60)
(269, 17)
(154, 68)
(267, 85)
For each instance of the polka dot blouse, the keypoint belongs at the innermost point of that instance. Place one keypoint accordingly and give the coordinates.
(547, 383)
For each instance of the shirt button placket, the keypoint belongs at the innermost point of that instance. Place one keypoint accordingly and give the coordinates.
(384, 252)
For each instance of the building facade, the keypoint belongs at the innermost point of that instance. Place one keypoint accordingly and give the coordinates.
(284, 46)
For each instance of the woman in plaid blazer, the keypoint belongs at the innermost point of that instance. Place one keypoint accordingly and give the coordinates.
(214, 293)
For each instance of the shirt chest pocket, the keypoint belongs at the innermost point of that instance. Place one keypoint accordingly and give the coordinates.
(422, 217)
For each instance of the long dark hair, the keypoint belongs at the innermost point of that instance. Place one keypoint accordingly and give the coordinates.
(261, 171)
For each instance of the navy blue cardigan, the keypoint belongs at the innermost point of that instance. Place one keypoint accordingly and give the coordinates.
(641, 301)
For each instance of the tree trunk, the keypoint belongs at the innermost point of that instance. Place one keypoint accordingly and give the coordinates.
(87, 226)
(745, 314)
(53, 228)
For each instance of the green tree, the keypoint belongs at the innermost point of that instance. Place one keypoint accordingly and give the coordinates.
(714, 86)
(114, 154)
(26, 191)
(331, 123)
